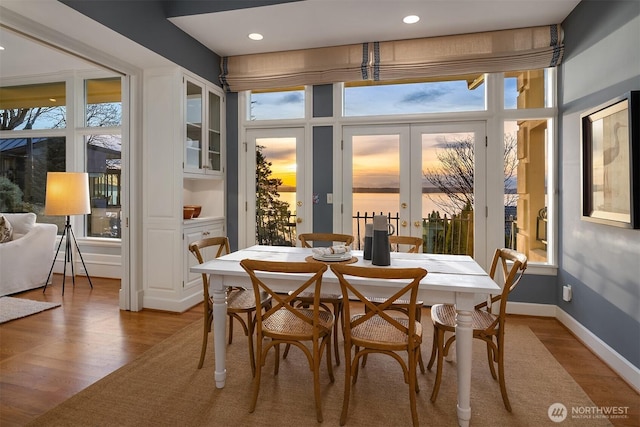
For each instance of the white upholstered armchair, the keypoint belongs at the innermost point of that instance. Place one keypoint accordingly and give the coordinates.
(26, 259)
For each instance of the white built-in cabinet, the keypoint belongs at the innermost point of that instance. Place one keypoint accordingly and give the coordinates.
(184, 164)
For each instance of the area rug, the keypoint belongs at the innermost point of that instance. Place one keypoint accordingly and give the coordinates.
(163, 387)
(15, 308)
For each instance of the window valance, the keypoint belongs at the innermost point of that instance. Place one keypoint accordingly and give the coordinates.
(488, 52)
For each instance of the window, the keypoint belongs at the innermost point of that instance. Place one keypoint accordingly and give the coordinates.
(104, 155)
(103, 109)
(459, 94)
(524, 117)
(103, 102)
(40, 106)
(274, 105)
(526, 189)
(24, 163)
(33, 141)
(526, 89)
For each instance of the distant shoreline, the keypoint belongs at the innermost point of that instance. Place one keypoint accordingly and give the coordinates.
(390, 190)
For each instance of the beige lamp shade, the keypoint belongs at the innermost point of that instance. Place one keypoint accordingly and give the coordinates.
(67, 193)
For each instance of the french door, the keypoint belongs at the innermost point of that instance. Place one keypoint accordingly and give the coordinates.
(429, 178)
(276, 206)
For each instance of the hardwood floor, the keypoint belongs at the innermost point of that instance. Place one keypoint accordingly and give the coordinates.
(48, 357)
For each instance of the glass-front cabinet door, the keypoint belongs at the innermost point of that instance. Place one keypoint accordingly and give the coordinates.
(214, 151)
(194, 142)
(203, 130)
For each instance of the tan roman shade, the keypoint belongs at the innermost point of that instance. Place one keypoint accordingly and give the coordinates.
(489, 52)
(295, 68)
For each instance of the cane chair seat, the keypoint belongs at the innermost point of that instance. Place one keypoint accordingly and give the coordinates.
(377, 332)
(285, 323)
(445, 314)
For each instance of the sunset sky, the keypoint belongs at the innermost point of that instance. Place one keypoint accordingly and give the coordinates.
(375, 158)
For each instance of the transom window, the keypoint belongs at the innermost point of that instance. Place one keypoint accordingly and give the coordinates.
(444, 95)
(276, 104)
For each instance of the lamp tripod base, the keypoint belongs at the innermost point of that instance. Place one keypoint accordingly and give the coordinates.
(67, 235)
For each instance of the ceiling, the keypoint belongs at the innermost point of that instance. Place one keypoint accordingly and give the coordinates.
(317, 23)
(286, 26)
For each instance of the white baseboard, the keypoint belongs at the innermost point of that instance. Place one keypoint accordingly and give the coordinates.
(108, 266)
(629, 372)
(168, 304)
(530, 309)
(612, 358)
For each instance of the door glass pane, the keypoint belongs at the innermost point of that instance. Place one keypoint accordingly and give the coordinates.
(276, 191)
(526, 192)
(376, 180)
(448, 192)
(104, 165)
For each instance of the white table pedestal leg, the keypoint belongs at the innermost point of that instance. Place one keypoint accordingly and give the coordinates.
(464, 338)
(219, 331)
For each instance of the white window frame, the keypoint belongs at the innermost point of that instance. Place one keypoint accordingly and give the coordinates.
(495, 117)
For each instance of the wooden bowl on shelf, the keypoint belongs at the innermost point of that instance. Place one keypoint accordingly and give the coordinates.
(187, 213)
(196, 210)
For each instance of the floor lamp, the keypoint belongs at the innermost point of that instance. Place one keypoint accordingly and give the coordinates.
(67, 194)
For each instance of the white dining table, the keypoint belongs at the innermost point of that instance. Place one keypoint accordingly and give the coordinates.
(455, 279)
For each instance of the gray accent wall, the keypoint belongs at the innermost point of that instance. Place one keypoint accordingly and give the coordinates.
(600, 262)
(233, 155)
(146, 23)
(323, 101)
(322, 178)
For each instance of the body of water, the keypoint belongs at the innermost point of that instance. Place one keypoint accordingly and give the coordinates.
(378, 202)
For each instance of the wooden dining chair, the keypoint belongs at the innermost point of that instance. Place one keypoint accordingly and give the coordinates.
(487, 326)
(375, 330)
(335, 300)
(239, 300)
(398, 242)
(285, 323)
(413, 245)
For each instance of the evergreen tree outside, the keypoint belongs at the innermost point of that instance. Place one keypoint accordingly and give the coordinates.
(273, 216)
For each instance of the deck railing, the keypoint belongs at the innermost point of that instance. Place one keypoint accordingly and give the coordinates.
(441, 234)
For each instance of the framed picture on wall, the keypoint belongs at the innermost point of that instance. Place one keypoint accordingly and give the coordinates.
(611, 162)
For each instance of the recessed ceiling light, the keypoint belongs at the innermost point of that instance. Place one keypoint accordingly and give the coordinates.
(52, 99)
(411, 19)
(255, 36)
(1, 48)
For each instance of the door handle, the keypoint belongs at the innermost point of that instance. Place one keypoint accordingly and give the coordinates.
(403, 206)
(299, 220)
(403, 223)
(416, 224)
